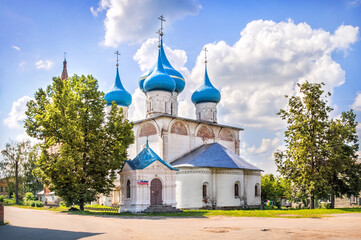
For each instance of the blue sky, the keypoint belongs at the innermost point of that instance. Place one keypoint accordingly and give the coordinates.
(281, 43)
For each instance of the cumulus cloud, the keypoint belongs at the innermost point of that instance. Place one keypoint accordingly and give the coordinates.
(266, 62)
(133, 21)
(357, 103)
(17, 114)
(44, 64)
(16, 47)
(263, 155)
(137, 108)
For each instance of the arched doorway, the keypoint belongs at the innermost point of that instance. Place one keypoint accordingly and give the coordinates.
(155, 192)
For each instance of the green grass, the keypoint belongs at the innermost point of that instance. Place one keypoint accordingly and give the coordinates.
(284, 213)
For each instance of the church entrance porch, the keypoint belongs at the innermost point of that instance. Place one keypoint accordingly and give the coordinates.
(155, 192)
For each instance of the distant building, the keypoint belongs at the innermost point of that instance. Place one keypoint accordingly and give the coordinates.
(4, 187)
(49, 198)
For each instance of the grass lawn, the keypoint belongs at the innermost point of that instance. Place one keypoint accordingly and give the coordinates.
(291, 213)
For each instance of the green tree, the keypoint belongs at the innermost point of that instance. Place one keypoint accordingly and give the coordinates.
(32, 182)
(82, 145)
(343, 171)
(305, 156)
(274, 188)
(15, 155)
(321, 154)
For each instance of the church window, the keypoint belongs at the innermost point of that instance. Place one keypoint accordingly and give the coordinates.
(204, 190)
(6, 189)
(1, 189)
(256, 190)
(171, 108)
(128, 189)
(236, 190)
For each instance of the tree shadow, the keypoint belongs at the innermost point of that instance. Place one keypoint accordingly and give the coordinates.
(15, 232)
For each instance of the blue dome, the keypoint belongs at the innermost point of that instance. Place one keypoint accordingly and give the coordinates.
(174, 74)
(206, 93)
(143, 77)
(118, 94)
(177, 77)
(159, 79)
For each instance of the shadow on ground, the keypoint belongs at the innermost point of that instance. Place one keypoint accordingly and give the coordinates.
(15, 233)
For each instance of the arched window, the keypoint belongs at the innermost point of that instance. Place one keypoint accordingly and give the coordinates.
(128, 189)
(236, 189)
(204, 190)
(256, 190)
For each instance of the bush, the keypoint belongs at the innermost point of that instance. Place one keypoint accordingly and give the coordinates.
(2, 198)
(28, 197)
(35, 203)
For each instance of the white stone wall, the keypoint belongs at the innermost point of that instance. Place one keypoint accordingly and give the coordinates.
(220, 188)
(158, 103)
(174, 110)
(206, 111)
(140, 194)
(251, 179)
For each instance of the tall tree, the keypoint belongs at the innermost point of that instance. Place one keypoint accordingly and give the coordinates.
(343, 171)
(321, 154)
(305, 156)
(82, 146)
(15, 155)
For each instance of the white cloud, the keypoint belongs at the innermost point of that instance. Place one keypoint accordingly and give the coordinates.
(16, 47)
(44, 64)
(133, 21)
(354, 3)
(357, 103)
(137, 108)
(22, 65)
(265, 64)
(17, 114)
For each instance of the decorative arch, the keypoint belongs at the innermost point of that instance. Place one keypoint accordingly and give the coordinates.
(226, 135)
(179, 127)
(147, 129)
(205, 132)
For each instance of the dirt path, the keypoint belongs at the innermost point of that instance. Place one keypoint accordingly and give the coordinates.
(40, 224)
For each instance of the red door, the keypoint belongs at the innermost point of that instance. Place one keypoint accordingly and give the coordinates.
(155, 192)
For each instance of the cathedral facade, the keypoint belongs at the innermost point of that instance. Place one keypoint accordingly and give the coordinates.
(180, 162)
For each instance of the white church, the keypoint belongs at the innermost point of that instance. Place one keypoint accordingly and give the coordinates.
(179, 162)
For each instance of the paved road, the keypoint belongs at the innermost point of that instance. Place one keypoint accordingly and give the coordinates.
(40, 224)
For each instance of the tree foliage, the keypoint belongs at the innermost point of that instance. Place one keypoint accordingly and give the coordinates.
(82, 145)
(15, 156)
(274, 188)
(318, 149)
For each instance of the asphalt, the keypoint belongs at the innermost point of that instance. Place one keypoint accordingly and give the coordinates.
(30, 224)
